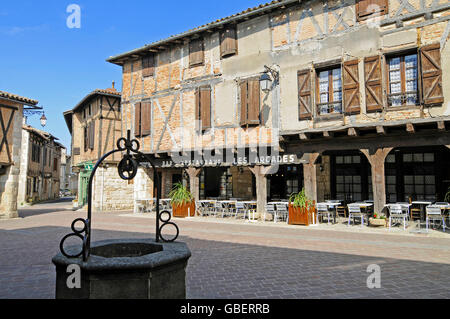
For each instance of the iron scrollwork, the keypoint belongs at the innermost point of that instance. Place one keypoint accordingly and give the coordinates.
(127, 170)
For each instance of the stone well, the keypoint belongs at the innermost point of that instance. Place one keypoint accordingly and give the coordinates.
(126, 269)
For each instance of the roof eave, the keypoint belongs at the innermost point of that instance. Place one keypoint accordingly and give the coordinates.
(232, 19)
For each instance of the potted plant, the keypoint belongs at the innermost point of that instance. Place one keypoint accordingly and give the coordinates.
(301, 209)
(377, 220)
(182, 201)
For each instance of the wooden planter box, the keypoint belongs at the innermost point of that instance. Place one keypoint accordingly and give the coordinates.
(301, 216)
(377, 222)
(182, 211)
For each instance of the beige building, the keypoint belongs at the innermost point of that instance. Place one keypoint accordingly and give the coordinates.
(357, 107)
(40, 166)
(95, 125)
(11, 118)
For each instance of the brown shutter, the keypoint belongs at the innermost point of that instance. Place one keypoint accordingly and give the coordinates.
(148, 66)
(374, 84)
(244, 102)
(146, 119)
(6, 131)
(76, 151)
(351, 87)
(366, 8)
(137, 119)
(92, 135)
(196, 54)
(205, 107)
(197, 105)
(254, 102)
(430, 58)
(228, 42)
(86, 137)
(304, 94)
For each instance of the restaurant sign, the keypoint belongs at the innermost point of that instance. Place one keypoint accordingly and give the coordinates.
(290, 159)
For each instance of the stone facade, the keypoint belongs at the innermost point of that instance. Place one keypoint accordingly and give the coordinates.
(10, 169)
(293, 39)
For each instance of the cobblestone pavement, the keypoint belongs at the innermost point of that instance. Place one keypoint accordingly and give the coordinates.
(239, 260)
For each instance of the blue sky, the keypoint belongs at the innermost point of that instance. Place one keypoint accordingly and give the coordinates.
(41, 58)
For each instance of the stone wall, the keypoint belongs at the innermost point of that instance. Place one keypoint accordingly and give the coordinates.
(9, 182)
(110, 192)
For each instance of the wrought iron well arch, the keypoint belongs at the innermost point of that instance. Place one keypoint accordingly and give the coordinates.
(127, 170)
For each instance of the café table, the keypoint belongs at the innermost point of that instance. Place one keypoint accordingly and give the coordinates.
(332, 204)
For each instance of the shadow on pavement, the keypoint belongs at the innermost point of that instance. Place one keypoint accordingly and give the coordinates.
(230, 270)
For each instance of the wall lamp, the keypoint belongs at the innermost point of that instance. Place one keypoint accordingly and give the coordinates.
(266, 81)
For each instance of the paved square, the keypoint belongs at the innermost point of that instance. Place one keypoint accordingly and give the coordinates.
(238, 259)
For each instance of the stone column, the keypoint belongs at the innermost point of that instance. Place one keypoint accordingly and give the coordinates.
(310, 176)
(261, 173)
(194, 181)
(376, 159)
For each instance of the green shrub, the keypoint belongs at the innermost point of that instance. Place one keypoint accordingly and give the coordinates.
(300, 200)
(180, 195)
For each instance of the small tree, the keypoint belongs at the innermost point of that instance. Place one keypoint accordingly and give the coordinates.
(300, 200)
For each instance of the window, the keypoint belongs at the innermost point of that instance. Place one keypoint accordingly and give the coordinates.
(142, 119)
(90, 110)
(148, 66)
(203, 107)
(228, 42)
(85, 138)
(403, 80)
(196, 53)
(329, 83)
(250, 102)
(55, 164)
(370, 8)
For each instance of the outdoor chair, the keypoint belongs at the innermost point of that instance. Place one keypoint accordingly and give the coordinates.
(270, 209)
(435, 213)
(218, 209)
(322, 210)
(416, 212)
(396, 212)
(281, 212)
(341, 211)
(200, 207)
(354, 211)
(239, 208)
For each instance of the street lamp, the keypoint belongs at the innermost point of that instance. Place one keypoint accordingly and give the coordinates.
(43, 120)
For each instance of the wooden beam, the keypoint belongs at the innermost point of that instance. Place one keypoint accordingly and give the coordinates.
(328, 134)
(353, 132)
(441, 126)
(304, 136)
(410, 128)
(381, 130)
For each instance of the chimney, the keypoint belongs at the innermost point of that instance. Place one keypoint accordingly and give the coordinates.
(113, 83)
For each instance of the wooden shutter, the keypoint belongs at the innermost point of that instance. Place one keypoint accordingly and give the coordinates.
(196, 54)
(92, 135)
(254, 102)
(76, 151)
(350, 77)
(148, 66)
(86, 136)
(137, 119)
(374, 84)
(205, 107)
(244, 102)
(6, 134)
(146, 119)
(430, 58)
(368, 8)
(304, 94)
(228, 42)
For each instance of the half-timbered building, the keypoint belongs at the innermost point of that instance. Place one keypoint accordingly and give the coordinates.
(357, 107)
(40, 166)
(11, 118)
(95, 125)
